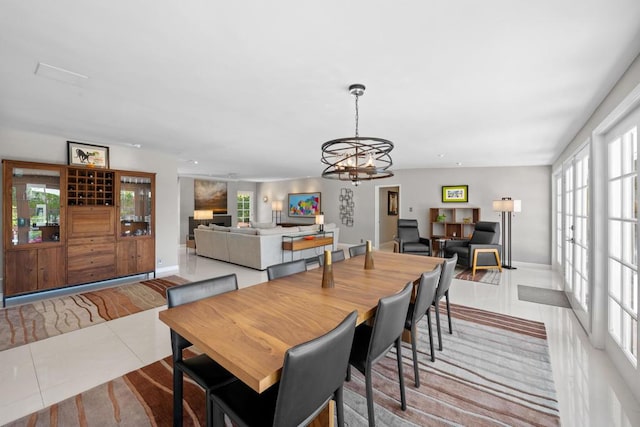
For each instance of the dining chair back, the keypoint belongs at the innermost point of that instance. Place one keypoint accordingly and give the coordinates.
(446, 277)
(312, 374)
(358, 250)
(425, 294)
(336, 256)
(201, 368)
(286, 269)
(372, 343)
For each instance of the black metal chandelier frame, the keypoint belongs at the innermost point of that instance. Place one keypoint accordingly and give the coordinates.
(357, 158)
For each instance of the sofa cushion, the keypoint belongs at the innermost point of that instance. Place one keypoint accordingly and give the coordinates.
(244, 230)
(309, 227)
(270, 231)
(219, 227)
(262, 224)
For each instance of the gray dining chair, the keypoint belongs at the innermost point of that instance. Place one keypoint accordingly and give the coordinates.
(446, 276)
(286, 269)
(336, 256)
(312, 374)
(207, 373)
(358, 250)
(425, 294)
(372, 343)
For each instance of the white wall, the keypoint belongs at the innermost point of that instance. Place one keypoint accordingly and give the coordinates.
(621, 100)
(35, 147)
(420, 189)
(187, 201)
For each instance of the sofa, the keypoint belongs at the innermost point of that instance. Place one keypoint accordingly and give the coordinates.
(256, 247)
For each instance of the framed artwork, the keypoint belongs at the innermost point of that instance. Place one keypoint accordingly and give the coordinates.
(93, 156)
(210, 196)
(392, 203)
(455, 193)
(304, 204)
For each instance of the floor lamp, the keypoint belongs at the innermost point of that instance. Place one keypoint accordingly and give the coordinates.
(507, 207)
(276, 211)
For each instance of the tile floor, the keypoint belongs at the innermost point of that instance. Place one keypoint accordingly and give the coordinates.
(590, 391)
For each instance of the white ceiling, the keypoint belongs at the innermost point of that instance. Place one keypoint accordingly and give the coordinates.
(253, 88)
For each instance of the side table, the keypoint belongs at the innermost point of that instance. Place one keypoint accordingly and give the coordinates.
(190, 243)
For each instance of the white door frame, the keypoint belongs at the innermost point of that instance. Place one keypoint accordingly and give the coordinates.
(376, 210)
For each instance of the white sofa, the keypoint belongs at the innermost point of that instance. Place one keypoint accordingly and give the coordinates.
(254, 247)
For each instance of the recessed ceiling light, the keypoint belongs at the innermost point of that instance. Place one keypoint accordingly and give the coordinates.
(441, 155)
(459, 163)
(60, 74)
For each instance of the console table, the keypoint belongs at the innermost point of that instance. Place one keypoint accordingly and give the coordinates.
(300, 242)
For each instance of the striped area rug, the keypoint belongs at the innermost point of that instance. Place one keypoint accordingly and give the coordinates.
(27, 323)
(494, 371)
(489, 276)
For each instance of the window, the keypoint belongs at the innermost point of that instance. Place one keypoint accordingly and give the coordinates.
(244, 207)
(622, 220)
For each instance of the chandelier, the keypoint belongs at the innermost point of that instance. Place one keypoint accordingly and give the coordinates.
(359, 158)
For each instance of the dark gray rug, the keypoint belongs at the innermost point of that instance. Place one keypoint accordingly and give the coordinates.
(543, 296)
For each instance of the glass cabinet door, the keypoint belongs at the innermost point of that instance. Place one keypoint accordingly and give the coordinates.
(135, 205)
(35, 205)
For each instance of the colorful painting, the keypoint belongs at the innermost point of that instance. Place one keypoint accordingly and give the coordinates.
(210, 196)
(304, 204)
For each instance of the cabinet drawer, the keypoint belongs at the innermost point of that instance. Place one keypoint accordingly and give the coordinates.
(88, 251)
(85, 221)
(91, 240)
(91, 275)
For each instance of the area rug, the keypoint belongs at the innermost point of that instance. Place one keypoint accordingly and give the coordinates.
(543, 296)
(494, 370)
(491, 277)
(27, 323)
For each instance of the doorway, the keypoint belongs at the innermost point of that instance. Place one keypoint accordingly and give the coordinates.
(387, 212)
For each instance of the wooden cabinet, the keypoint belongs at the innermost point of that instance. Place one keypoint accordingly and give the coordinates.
(31, 270)
(451, 223)
(66, 225)
(135, 256)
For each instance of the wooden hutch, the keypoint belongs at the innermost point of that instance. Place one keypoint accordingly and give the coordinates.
(69, 225)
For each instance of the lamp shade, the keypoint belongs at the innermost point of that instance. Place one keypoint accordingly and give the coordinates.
(202, 214)
(507, 205)
(320, 219)
(276, 205)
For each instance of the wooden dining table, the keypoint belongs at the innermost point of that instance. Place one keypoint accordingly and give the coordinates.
(249, 330)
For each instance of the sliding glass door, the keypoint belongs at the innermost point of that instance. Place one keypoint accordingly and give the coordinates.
(622, 220)
(575, 230)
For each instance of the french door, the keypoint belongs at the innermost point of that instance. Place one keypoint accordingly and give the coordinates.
(575, 232)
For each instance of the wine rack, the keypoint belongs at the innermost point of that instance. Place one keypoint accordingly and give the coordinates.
(89, 187)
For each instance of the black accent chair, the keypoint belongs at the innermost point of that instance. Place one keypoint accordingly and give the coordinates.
(203, 370)
(422, 305)
(409, 240)
(372, 343)
(312, 374)
(446, 276)
(486, 235)
(336, 256)
(357, 250)
(286, 269)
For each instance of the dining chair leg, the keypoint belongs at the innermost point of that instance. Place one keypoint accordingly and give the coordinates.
(177, 397)
(339, 406)
(438, 325)
(348, 373)
(433, 353)
(414, 350)
(446, 295)
(368, 382)
(403, 398)
(209, 409)
(217, 416)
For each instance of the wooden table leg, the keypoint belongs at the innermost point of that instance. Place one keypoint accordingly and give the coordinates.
(326, 418)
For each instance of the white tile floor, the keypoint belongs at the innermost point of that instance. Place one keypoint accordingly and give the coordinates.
(590, 391)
